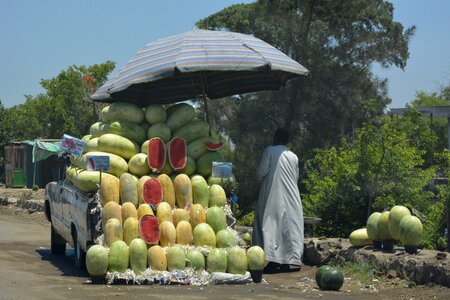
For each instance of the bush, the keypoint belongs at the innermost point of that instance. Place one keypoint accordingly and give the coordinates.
(247, 219)
(377, 170)
(35, 187)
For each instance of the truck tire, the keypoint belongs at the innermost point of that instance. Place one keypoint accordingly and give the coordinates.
(80, 255)
(57, 243)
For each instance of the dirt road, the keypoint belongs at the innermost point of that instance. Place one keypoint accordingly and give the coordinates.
(29, 271)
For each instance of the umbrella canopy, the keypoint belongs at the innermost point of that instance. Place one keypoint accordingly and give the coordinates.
(212, 64)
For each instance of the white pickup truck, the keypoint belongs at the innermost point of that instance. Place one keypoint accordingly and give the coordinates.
(75, 218)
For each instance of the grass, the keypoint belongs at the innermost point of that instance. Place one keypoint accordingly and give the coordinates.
(363, 272)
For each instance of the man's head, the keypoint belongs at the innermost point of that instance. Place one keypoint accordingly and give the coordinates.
(281, 137)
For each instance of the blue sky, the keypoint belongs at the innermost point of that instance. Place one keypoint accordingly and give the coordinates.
(41, 38)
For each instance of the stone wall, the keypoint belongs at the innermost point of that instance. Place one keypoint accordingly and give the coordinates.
(427, 266)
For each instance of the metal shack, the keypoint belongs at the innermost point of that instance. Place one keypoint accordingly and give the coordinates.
(32, 162)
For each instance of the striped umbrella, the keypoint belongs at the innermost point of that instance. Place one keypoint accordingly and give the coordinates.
(212, 64)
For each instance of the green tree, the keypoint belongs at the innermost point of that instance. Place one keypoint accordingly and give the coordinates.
(338, 41)
(377, 170)
(437, 126)
(64, 107)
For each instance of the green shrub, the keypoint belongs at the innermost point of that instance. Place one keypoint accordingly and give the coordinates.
(247, 219)
(35, 187)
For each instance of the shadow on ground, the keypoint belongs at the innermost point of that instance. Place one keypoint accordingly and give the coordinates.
(64, 263)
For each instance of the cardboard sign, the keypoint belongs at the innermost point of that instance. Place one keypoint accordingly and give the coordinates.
(98, 163)
(222, 169)
(72, 145)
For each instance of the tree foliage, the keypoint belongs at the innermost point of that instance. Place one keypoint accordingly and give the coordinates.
(338, 41)
(64, 107)
(436, 125)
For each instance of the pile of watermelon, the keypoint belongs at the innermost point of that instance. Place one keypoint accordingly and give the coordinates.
(383, 229)
(161, 209)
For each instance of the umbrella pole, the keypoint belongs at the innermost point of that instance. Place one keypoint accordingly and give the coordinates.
(205, 103)
(205, 99)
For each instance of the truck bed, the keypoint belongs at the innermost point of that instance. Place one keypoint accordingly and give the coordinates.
(73, 211)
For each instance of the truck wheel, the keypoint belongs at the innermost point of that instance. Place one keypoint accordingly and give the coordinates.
(80, 255)
(57, 243)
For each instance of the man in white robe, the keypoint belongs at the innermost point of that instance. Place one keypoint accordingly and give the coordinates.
(278, 224)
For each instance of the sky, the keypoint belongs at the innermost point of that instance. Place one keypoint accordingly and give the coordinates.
(39, 39)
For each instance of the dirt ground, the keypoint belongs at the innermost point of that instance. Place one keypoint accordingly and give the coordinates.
(30, 270)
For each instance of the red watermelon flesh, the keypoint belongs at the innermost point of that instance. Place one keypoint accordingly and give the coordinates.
(149, 229)
(177, 153)
(211, 146)
(153, 192)
(156, 154)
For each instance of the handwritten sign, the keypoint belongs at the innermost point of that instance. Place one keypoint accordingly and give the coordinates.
(222, 169)
(72, 145)
(98, 163)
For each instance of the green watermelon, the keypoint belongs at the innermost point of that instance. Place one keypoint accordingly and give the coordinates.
(91, 145)
(372, 226)
(97, 260)
(161, 131)
(126, 129)
(138, 165)
(195, 260)
(215, 217)
(216, 261)
(176, 259)
(237, 260)
(192, 131)
(225, 238)
(320, 271)
(383, 227)
(197, 148)
(332, 280)
(179, 115)
(119, 255)
(410, 231)
(200, 191)
(124, 111)
(155, 113)
(255, 258)
(395, 216)
(204, 163)
(138, 256)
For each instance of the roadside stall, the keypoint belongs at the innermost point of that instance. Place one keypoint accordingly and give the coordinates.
(165, 194)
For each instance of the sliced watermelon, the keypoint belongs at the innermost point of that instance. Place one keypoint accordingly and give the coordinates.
(156, 154)
(149, 229)
(211, 146)
(177, 153)
(153, 192)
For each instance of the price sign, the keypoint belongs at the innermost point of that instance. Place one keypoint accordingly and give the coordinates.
(98, 163)
(222, 169)
(71, 145)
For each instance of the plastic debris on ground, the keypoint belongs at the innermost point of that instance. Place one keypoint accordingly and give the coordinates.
(176, 277)
(226, 278)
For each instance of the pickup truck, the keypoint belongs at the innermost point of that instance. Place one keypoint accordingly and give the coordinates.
(75, 219)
